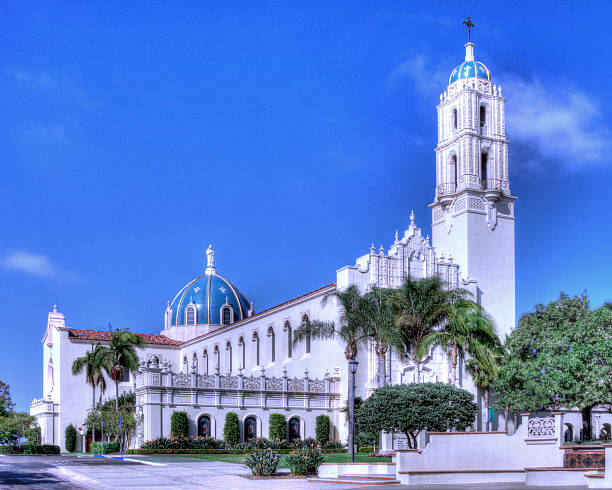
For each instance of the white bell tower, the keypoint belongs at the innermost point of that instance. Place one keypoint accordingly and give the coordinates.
(473, 211)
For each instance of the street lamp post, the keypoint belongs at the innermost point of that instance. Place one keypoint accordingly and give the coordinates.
(353, 369)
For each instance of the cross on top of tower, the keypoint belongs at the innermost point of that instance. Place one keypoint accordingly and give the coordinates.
(469, 25)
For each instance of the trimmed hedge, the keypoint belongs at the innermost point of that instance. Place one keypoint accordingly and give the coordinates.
(70, 435)
(30, 449)
(179, 424)
(109, 447)
(231, 429)
(322, 429)
(366, 449)
(278, 426)
(200, 451)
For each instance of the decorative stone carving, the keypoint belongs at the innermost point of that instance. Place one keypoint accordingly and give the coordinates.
(228, 382)
(274, 384)
(295, 384)
(251, 383)
(316, 386)
(181, 380)
(205, 381)
(541, 427)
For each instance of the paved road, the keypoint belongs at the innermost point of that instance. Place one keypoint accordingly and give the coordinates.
(169, 472)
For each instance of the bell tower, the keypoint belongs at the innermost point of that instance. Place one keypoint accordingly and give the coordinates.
(473, 210)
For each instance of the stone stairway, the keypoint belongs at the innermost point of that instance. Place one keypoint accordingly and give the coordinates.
(358, 480)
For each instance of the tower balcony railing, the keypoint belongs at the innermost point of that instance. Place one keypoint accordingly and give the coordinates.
(446, 189)
(491, 185)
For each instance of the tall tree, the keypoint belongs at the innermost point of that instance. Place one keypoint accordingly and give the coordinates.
(6, 402)
(380, 324)
(467, 328)
(559, 358)
(352, 331)
(120, 356)
(420, 306)
(94, 364)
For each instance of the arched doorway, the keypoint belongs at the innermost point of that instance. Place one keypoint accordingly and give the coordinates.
(204, 428)
(250, 428)
(294, 429)
(568, 434)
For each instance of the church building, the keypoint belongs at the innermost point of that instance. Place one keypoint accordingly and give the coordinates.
(216, 354)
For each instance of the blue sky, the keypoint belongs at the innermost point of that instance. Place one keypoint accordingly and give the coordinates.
(291, 135)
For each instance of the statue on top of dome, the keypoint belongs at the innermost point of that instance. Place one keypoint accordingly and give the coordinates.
(210, 260)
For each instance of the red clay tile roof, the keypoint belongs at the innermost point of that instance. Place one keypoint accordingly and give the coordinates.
(74, 333)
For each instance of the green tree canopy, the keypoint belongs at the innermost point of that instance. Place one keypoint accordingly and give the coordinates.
(409, 409)
(6, 402)
(559, 357)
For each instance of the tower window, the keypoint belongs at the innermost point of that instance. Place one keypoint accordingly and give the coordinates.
(483, 171)
(190, 313)
(227, 315)
(289, 340)
(483, 116)
(455, 119)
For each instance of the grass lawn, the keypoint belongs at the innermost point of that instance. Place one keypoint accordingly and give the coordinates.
(329, 458)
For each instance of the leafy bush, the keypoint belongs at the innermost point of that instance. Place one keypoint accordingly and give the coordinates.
(366, 449)
(30, 449)
(333, 447)
(231, 429)
(179, 424)
(278, 426)
(305, 443)
(33, 435)
(109, 447)
(184, 443)
(70, 434)
(262, 463)
(322, 428)
(304, 460)
(198, 451)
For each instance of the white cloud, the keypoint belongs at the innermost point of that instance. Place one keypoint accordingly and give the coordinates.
(559, 123)
(35, 265)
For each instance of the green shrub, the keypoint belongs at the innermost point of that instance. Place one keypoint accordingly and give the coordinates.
(33, 435)
(184, 443)
(200, 451)
(333, 447)
(366, 449)
(30, 449)
(278, 426)
(231, 429)
(179, 424)
(262, 463)
(305, 460)
(70, 434)
(109, 447)
(322, 429)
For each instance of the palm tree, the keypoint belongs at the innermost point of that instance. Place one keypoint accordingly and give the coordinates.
(483, 375)
(420, 306)
(467, 329)
(380, 325)
(93, 363)
(353, 331)
(120, 355)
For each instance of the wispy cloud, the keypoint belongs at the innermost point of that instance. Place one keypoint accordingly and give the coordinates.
(29, 263)
(558, 122)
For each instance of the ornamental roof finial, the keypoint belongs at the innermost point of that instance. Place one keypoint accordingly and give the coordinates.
(469, 46)
(210, 261)
(412, 218)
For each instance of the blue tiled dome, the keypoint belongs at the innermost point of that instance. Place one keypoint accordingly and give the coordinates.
(208, 293)
(469, 69)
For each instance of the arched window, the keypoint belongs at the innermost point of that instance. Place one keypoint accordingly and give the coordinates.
(568, 433)
(605, 434)
(205, 356)
(287, 328)
(454, 119)
(256, 348)
(204, 426)
(190, 315)
(250, 428)
(217, 356)
(305, 321)
(242, 352)
(483, 171)
(294, 429)
(272, 344)
(226, 315)
(228, 350)
(483, 116)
